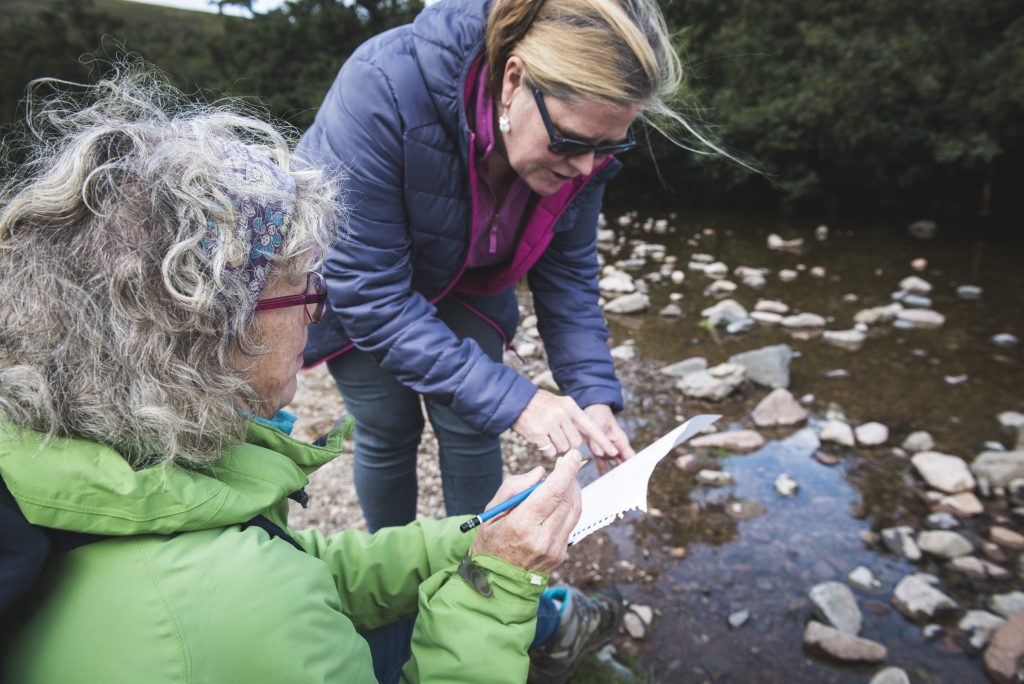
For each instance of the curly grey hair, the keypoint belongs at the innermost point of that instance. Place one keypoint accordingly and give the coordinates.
(119, 325)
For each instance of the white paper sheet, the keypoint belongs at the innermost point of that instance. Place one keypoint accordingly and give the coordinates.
(624, 487)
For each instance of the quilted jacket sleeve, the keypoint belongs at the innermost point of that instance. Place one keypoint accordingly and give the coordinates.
(360, 129)
(569, 317)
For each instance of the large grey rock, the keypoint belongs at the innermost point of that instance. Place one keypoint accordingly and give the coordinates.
(714, 383)
(998, 467)
(943, 471)
(843, 646)
(900, 540)
(737, 440)
(779, 408)
(944, 543)
(890, 675)
(681, 369)
(768, 366)
(838, 432)
(725, 312)
(835, 603)
(628, 304)
(916, 597)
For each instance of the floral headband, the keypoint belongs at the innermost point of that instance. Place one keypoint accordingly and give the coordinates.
(261, 221)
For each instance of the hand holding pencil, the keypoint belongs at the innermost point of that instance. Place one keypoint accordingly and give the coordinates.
(534, 535)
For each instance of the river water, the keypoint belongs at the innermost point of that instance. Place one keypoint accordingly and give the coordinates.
(766, 559)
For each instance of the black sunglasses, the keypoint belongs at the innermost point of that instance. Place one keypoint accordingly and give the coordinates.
(567, 147)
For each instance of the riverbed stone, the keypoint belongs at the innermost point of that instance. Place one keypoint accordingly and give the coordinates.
(1004, 657)
(777, 243)
(916, 285)
(771, 306)
(998, 467)
(917, 598)
(979, 567)
(767, 366)
(1005, 340)
(941, 520)
(900, 540)
(786, 485)
(838, 432)
(779, 407)
(924, 319)
(628, 304)
(766, 317)
(803, 320)
(715, 478)
(916, 301)
(1011, 420)
(720, 288)
(980, 624)
(683, 368)
(788, 275)
(1006, 537)
(739, 618)
(737, 440)
(836, 604)
(671, 311)
(878, 315)
(923, 229)
(634, 626)
(615, 281)
(842, 645)
(918, 441)
(645, 612)
(1006, 604)
(964, 504)
(714, 384)
(944, 543)
(969, 292)
(851, 340)
(737, 327)
(871, 434)
(890, 675)
(724, 312)
(624, 352)
(943, 471)
(862, 578)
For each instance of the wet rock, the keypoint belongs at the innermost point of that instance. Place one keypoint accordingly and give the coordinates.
(737, 327)
(628, 304)
(803, 320)
(845, 339)
(646, 613)
(724, 312)
(716, 270)
(766, 318)
(923, 229)
(1006, 604)
(624, 352)
(838, 432)
(925, 319)
(890, 675)
(715, 478)
(900, 540)
(787, 275)
(836, 605)
(720, 288)
(754, 280)
(771, 306)
(917, 301)
(917, 598)
(918, 441)
(978, 567)
(616, 282)
(737, 440)
(634, 626)
(862, 578)
(980, 624)
(878, 315)
(776, 243)
(739, 618)
(998, 467)
(969, 292)
(714, 384)
(944, 543)
(941, 521)
(779, 408)
(871, 434)
(821, 233)
(677, 277)
(1006, 537)
(671, 311)
(1011, 420)
(825, 458)
(1005, 340)
(786, 485)
(942, 471)
(916, 285)
(817, 272)
(843, 646)
(1004, 658)
(767, 366)
(683, 368)
(964, 504)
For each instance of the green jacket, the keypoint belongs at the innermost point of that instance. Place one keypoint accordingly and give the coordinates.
(184, 594)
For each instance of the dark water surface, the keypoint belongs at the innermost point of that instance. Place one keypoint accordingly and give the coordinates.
(768, 563)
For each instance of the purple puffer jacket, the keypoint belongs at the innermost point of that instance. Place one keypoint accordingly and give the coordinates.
(395, 122)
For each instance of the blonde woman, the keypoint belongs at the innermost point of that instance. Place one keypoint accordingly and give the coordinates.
(478, 142)
(158, 270)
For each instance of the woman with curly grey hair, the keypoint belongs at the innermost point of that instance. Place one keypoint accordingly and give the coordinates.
(158, 270)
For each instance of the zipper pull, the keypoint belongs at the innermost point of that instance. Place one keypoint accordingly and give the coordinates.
(494, 237)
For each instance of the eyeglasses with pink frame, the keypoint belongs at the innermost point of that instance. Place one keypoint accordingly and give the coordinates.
(315, 296)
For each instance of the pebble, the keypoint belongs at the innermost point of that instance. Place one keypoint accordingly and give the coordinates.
(835, 603)
(803, 320)
(838, 432)
(1005, 340)
(671, 311)
(826, 458)
(851, 340)
(634, 626)
(925, 319)
(916, 285)
(944, 543)
(943, 471)
(779, 407)
(739, 618)
(1006, 604)
(738, 440)
(900, 540)
(843, 646)
(918, 441)
(916, 597)
(628, 304)
(646, 613)
(771, 306)
(941, 520)
(786, 485)
(862, 578)
(890, 675)
(969, 292)
(871, 434)
(715, 478)
(686, 463)
(1006, 537)
(787, 275)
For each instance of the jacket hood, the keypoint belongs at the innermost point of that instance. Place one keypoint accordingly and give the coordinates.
(77, 485)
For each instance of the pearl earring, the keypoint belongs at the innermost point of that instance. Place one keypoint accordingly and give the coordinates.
(503, 125)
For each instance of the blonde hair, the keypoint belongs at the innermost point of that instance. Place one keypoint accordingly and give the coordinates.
(615, 51)
(118, 322)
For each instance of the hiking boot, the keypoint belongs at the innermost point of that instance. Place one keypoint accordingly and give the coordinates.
(586, 624)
